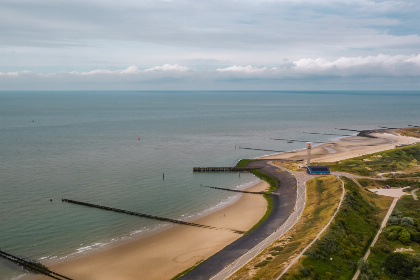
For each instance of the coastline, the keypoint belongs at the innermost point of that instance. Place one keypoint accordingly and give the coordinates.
(165, 254)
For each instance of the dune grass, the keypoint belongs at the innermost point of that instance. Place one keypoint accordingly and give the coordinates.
(323, 195)
(336, 254)
(394, 160)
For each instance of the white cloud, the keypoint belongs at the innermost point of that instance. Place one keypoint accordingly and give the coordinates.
(130, 70)
(168, 68)
(398, 70)
(380, 65)
(244, 69)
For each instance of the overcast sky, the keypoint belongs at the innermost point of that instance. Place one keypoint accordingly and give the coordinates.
(209, 45)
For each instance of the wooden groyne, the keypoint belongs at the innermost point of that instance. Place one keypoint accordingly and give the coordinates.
(328, 134)
(32, 266)
(295, 140)
(142, 215)
(232, 190)
(258, 149)
(221, 169)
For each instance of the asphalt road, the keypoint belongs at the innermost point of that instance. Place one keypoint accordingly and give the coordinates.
(284, 199)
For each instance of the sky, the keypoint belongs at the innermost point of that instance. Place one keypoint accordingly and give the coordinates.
(209, 45)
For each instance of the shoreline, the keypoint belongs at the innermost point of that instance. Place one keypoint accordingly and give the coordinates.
(179, 246)
(164, 254)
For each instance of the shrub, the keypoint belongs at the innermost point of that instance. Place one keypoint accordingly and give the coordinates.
(305, 271)
(407, 221)
(392, 233)
(398, 264)
(415, 236)
(394, 220)
(404, 237)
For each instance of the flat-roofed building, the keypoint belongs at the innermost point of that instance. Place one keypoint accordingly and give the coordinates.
(318, 170)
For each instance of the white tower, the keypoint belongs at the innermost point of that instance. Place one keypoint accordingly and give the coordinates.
(308, 163)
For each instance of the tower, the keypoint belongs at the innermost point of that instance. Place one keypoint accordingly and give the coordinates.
(308, 163)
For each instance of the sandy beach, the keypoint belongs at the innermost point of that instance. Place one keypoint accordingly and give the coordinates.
(164, 255)
(349, 147)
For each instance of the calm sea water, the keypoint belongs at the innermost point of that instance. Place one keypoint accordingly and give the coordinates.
(84, 146)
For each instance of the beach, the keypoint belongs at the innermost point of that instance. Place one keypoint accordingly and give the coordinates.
(165, 254)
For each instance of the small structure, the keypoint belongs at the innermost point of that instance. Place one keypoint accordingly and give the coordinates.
(318, 170)
(309, 154)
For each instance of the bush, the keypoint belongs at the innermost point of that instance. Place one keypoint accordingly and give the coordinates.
(404, 237)
(394, 220)
(407, 221)
(415, 236)
(398, 264)
(306, 271)
(393, 232)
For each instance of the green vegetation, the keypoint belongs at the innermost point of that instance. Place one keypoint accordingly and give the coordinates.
(186, 271)
(273, 185)
(411, 132)
(291, 165)
(244, 162)
(398, 159)
(336, 254)
(270, 180)
(323, 196)
(269, 199)
(396, 254)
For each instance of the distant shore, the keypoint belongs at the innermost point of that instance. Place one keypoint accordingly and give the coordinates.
(165, 254)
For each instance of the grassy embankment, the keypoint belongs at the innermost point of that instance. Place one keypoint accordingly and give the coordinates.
(396, 254)
(336, 253)
(273, 185)
(323, 195)
(404, 160)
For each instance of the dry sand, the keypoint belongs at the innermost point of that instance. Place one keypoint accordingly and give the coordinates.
(349, 147)
(163, 255)
(396, 192)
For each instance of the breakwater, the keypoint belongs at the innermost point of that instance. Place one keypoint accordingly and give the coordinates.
(144, 215)
(221, 169)
(32, 266)
(231, 190)
(258, 149)
(295, 140)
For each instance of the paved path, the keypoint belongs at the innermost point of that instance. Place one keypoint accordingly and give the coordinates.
(394, 202)
(413, 193)
(319, 234)
(229, 259)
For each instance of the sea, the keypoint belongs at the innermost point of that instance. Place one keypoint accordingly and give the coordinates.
(136, 151)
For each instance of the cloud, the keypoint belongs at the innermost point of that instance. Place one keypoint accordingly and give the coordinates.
(103, 34)
(380, 65)
(244, 69)
(167, 68)
(401, 71)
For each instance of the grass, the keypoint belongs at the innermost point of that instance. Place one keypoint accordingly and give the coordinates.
(273, 185)
(244, 162)
(269, 199)
(186, 271)
(323, 195)
(291, 165)
(270, 180)
(410, 132)
(391, 244)
(394, 160)
(336, 254)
